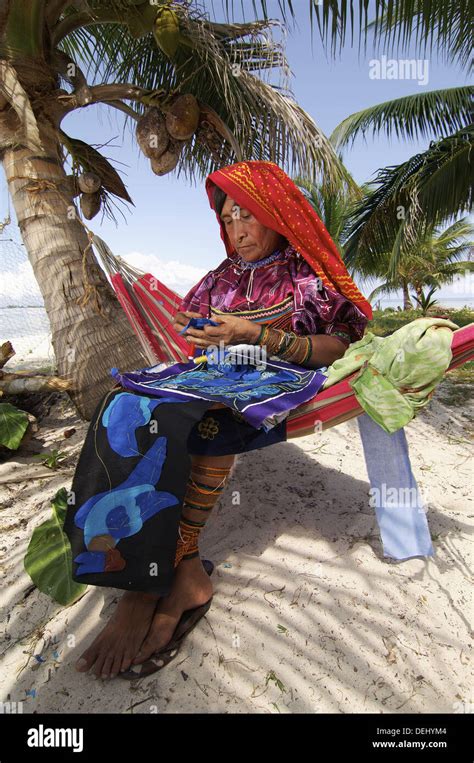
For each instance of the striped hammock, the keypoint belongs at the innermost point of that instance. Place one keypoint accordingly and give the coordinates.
(151, 306)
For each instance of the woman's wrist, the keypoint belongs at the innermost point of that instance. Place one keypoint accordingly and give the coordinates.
(254, 332)
(285, 344)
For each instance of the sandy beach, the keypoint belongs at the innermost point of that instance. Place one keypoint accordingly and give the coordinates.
(307, 615)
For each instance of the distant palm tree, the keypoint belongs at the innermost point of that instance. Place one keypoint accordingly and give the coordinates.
(437, 258)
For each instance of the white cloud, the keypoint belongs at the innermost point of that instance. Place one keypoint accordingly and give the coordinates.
(19, 286)
(177, 275)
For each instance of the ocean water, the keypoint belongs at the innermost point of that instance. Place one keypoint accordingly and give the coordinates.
(27, 328)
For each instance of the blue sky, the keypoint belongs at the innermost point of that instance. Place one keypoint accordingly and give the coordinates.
(172, 231)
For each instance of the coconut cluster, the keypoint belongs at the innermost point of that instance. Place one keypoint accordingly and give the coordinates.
(162, 135)
(90, 186)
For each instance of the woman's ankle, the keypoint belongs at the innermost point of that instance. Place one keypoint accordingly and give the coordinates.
(193, 563)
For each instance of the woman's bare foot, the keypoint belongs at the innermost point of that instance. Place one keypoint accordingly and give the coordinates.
(117, 644)
(191, 588)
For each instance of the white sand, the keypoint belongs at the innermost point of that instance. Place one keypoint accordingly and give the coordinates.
(307, 615)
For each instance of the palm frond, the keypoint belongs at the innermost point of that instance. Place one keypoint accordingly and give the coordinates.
(445, 178)
(430, 25)
(451, 269)
(425, 115)
(384, 288)
(458, 235)
(409, 198)
(332, 205)
(225, 67)
(436, 26)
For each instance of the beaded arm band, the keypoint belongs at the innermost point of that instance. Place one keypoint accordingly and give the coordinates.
(286, 344)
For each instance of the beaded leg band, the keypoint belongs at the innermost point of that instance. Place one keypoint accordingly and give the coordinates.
(204, 488)
(286, 344)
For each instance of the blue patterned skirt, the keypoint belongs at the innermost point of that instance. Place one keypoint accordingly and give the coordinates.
(128, 488)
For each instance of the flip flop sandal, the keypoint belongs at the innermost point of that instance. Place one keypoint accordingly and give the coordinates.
(187, 622)
(208, 566)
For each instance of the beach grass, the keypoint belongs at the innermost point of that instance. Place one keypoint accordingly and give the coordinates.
(387, 321)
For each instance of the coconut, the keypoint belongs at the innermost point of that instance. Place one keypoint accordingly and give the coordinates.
(89, 182)
(166, 31)
(152, 135)
(168, 161)
(90, 204)
(182, 118)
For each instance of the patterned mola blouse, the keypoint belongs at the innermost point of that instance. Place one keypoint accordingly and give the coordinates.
(281, 289)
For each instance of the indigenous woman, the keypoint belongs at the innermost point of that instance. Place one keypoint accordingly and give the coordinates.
(161, 444)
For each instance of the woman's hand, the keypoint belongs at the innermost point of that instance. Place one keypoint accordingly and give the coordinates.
(181, 319)
(231, 330)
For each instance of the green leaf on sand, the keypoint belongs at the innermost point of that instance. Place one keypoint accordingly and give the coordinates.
(48, 560)
(13, 425)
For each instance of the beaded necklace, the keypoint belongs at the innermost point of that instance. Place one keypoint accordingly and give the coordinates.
(259, 263)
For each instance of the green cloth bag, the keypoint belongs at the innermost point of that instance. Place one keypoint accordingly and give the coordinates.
(398, 373)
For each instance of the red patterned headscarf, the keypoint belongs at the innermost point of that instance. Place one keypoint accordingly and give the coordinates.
(275, 201)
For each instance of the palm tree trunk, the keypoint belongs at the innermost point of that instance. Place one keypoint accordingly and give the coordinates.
(407, 303)
(419, 290)
(88, 339)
